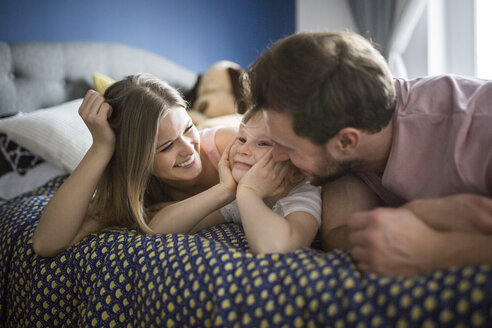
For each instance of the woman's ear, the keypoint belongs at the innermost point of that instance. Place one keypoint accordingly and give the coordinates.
(348, 140)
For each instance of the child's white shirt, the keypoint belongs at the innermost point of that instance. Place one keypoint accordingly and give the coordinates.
(304, 197)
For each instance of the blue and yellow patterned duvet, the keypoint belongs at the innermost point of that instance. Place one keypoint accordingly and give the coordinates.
(124, 279)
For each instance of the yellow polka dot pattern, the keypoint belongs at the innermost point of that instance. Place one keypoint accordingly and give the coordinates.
(123, 279)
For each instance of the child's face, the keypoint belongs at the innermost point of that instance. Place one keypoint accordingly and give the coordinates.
(251, 144)
(177, 155)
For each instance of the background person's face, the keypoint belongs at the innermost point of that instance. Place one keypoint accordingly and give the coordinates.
(178, 148)
(314, 161)
(252, 143)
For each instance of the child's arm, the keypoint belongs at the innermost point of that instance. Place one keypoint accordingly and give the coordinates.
(199, 211)
(63, 220)
(266, 231)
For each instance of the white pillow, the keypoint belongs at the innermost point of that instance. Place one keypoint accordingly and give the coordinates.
(13, 184)
(58, 134)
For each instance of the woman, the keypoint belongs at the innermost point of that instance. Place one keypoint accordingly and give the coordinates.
(145, 150)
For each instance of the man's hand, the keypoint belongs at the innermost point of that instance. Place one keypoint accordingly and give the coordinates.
(393, 242)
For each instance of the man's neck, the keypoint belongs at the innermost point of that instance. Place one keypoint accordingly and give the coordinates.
(375, 149)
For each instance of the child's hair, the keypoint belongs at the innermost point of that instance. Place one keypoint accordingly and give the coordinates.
(253, 114)
(138, 102)
(249, 115)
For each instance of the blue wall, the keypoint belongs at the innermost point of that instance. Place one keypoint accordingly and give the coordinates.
(193, 33)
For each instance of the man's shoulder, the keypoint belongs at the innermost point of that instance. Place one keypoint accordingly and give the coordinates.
(445, 82)
(443, 95)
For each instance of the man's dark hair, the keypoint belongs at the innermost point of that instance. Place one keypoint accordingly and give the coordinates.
(326, 81)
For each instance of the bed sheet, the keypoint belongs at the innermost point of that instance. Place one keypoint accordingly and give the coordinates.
(211, 279)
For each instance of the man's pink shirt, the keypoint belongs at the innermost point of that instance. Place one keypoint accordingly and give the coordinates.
(442, 141)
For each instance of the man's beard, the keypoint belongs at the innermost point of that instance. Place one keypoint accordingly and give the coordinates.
(343, 168)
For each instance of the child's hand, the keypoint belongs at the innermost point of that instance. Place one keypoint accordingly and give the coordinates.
(267, 177)
(95, 112)
(225, 174)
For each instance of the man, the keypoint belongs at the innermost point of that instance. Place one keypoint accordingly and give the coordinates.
(421, 148)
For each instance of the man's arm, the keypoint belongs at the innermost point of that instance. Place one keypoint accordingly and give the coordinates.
(394, 242)
(460, 213)
(342, 198)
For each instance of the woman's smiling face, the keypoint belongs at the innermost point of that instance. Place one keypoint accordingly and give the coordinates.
(177, 155)
(251, 144)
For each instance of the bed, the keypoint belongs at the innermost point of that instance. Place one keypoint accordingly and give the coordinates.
(211, 279)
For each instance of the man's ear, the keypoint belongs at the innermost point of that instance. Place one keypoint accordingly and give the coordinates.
(348, 140)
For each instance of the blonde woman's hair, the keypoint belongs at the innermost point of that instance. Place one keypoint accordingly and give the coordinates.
(138, 103)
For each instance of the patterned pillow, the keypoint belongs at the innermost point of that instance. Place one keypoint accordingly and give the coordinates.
(18, 158)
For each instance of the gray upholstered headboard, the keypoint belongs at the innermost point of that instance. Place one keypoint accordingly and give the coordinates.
(42, 74)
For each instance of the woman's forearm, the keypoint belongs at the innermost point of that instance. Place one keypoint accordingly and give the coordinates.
(65, 213)
(182, 216)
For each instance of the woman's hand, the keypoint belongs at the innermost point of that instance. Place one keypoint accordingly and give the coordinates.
(225, 174)
(95, 112)
(266, 178)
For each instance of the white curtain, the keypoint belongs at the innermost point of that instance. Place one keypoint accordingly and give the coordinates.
(407, 15)
(390, 24)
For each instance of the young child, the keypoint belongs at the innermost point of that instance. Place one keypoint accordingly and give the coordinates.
(279, 210)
